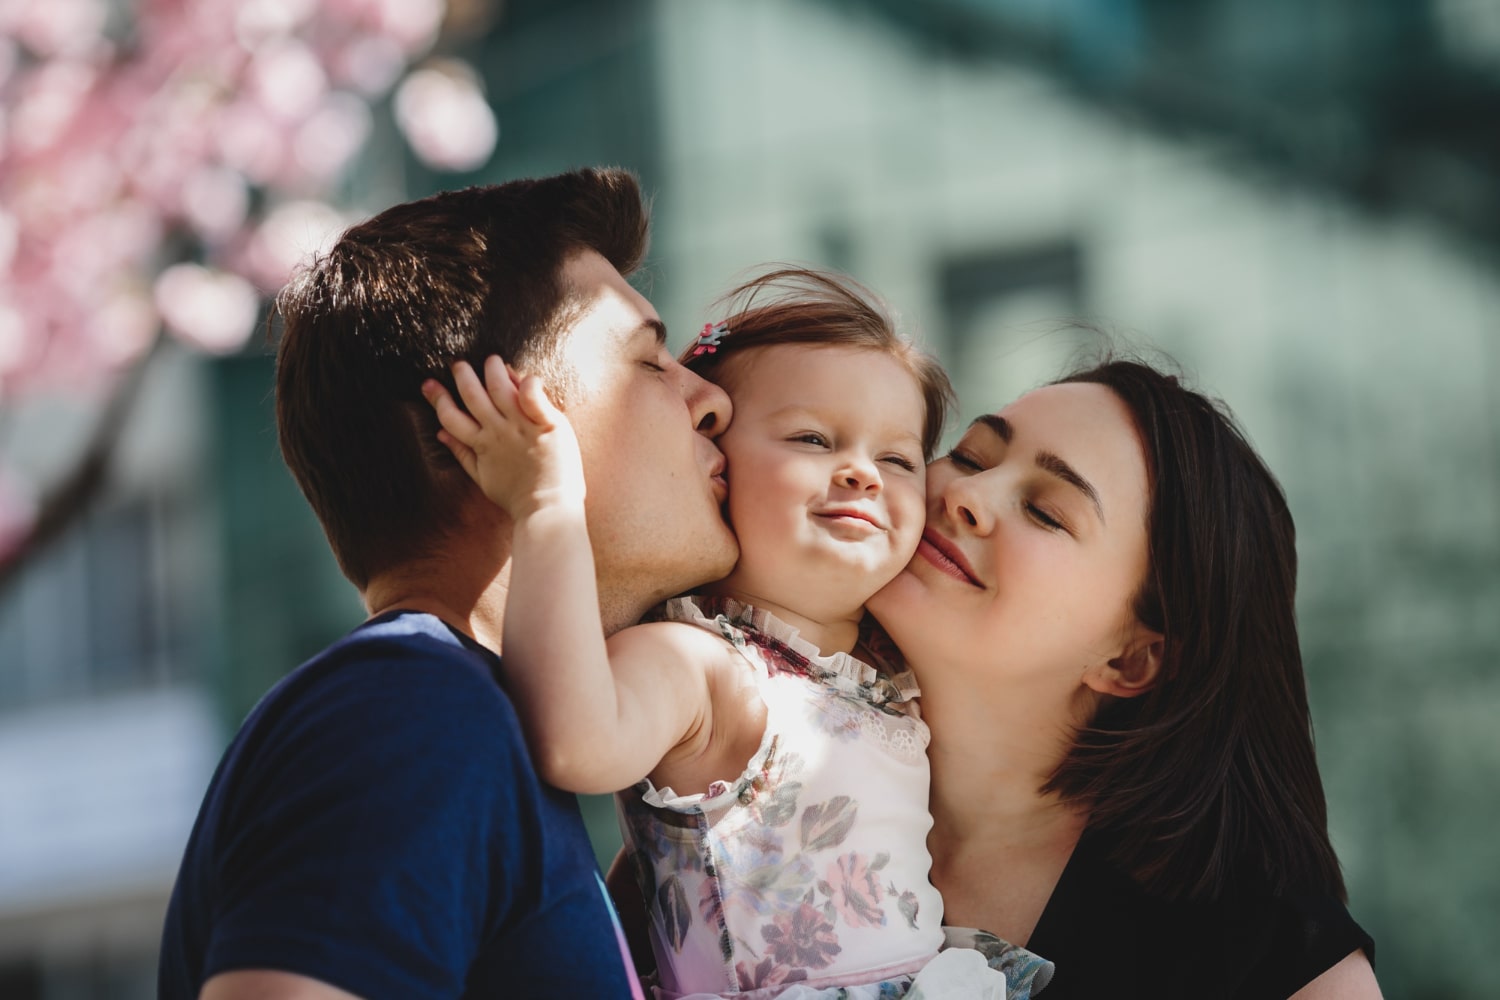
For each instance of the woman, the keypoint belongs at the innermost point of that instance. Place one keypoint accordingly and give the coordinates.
(1101, 619)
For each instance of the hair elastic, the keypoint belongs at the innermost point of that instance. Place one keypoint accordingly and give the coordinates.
(709, 338)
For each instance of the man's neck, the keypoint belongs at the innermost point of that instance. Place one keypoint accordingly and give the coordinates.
(475, 606)
(618, 611)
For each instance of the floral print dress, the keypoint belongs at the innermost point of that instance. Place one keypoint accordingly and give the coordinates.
(806, 875)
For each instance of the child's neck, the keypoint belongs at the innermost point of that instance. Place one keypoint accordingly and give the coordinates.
(835, 631)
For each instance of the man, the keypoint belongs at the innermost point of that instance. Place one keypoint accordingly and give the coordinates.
(376, 828)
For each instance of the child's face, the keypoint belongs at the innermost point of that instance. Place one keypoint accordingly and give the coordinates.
(826, 478)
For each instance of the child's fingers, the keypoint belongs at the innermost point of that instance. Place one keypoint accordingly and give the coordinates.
(467, 457)
(454, 420)
(501, 383)
(480, 400)
(535, 404)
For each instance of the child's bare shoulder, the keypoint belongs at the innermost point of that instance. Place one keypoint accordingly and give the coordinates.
(668, 636)
(678, 644)
(733, 715)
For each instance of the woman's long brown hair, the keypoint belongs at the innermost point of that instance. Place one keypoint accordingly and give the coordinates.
(1208, 785)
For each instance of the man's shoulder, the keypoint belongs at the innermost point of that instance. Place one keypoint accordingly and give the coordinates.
(398, 656)
(407, 638)
(401, 679)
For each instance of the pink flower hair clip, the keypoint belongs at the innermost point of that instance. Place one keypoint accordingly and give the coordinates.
(710, 338)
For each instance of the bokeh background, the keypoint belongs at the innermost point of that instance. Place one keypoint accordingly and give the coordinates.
(1299, 200)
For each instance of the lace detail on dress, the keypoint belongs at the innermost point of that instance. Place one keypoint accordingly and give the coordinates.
(907, 744)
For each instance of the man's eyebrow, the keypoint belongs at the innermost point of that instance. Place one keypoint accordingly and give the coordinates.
(1001, 427)
(656, 328)
(1049, 462)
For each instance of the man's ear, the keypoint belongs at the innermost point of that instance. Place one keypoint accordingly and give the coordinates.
(1134, 671)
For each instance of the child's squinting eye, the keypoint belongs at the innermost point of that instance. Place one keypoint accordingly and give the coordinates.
(901, 461)
(810, 437)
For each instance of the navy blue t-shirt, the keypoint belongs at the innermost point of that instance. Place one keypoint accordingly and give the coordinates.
(376, 824)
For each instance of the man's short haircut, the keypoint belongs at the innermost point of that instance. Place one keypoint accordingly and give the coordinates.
(400, 297)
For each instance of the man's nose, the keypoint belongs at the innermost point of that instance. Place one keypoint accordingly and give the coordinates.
(708, 404)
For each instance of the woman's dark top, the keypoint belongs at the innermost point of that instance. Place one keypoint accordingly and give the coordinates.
(1109, 938)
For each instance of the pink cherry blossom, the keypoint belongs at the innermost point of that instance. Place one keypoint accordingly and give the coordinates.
(17, 511)
(170, 183)
(445, 118)
(332, 135)
(212, 310)
(291, 234)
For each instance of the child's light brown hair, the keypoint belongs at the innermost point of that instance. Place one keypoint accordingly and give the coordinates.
(803, 305)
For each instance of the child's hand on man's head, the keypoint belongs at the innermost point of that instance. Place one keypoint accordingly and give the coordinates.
(513, 442)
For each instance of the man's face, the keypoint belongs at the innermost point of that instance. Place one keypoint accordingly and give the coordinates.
(645, 427)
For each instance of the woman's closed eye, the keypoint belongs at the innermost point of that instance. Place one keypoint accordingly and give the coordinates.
(1042, 518)
(964, 460)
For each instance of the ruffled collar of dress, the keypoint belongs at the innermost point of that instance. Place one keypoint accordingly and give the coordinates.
(894, 683)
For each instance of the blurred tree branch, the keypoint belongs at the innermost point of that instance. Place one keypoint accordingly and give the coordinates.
(69, 499)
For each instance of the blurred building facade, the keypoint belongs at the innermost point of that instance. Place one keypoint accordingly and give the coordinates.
(1299, 205)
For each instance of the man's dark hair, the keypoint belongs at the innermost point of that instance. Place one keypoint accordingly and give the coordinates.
(459, 275)
(1207, 785)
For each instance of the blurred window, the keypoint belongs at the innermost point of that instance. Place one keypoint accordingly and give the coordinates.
(101, 611)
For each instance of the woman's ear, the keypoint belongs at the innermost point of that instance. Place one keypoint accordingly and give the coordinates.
(1134, 671)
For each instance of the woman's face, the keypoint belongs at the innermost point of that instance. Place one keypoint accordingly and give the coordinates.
(1035, 543)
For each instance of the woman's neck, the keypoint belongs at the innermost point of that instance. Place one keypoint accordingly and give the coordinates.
(990, 758)
(998, 842)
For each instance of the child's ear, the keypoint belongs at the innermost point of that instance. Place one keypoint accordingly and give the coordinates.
(1134, 671)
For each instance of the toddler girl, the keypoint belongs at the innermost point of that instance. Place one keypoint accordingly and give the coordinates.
(772, 752)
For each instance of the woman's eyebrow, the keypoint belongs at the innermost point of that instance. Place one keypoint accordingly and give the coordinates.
(996, 423)
(1045, 460)
(1049, 462)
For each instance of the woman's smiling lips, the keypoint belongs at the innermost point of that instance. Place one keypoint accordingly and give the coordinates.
(946, 557)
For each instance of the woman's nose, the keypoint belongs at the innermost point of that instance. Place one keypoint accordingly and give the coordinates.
(965, 507)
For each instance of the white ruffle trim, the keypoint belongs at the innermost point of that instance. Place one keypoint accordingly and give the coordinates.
(846, 671)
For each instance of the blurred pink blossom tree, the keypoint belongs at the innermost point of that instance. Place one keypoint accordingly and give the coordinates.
(164, 164)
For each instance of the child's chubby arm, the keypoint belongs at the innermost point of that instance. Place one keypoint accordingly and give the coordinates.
(598, 716)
